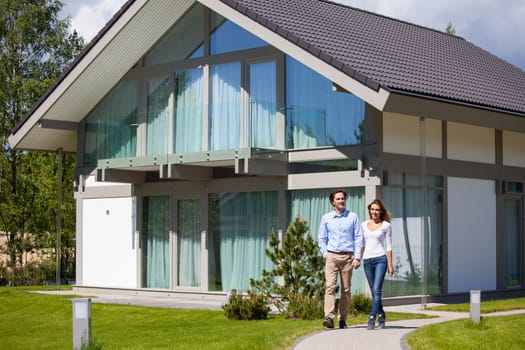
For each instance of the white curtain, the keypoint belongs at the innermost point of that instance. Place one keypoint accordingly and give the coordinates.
(157, 117)
(189, 243)
(155, 247)
(242, 225)
(263, 104)
(188, 111)
(225, 106)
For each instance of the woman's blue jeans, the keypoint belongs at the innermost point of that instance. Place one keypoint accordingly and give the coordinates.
(375, 270)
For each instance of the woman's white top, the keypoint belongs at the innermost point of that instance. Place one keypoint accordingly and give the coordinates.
(377, 242)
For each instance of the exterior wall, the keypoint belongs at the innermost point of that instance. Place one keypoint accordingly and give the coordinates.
(471, 235)
(401, 134)
(110, 251)
(471, 143)
(513, 149)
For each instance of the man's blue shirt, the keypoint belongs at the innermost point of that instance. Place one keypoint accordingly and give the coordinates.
(340, 233)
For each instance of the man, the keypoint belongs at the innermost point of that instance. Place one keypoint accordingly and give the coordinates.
(340, 240)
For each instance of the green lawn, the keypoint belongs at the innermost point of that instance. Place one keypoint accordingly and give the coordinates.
(492, 332)
(42, 321)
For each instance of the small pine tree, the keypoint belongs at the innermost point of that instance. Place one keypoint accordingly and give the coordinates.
(295, 286)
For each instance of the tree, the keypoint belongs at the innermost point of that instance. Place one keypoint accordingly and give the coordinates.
(300, 266)
(35, 47)
(450, 29)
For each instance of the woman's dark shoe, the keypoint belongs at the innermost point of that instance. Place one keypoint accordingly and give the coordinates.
(371, 323)
(381, 321)
(342, 324)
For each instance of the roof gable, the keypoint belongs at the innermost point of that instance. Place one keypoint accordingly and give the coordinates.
(367, 54)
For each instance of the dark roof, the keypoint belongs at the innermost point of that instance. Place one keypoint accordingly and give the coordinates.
(396, 55)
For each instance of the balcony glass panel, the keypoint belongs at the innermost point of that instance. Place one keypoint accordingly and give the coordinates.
(316, 115)
(111, 128)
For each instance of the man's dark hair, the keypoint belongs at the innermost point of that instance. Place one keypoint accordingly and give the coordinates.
(332, 195)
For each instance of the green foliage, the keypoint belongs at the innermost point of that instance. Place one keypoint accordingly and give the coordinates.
(296, 284)
(35, 46)
(360, 304)
(252, 307)
(31, 274)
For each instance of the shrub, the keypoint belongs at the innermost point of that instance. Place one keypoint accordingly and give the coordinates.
(360, 304)
(252, 307)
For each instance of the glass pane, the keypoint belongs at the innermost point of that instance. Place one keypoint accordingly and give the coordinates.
(111, 128)
(316, 115)
(188, 111)
(189, 243)
(155, 242)
(157, 117)
(240, 227)
(184, 40)
(225, 106)
(227, 36)
(262, 107)
(513, 248)
(410, 265)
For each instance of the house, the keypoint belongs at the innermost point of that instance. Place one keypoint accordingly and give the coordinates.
(201, 126)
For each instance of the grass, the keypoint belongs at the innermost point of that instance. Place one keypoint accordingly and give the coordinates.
(485, 306)
(492, 332)
(43, 321)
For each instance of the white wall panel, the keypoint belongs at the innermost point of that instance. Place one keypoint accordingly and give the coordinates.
(471, 235)
(109, 250)
(401, 134)
(513, 148)
(471, 143)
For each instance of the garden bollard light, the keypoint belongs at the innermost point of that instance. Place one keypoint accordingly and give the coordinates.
(81, 322)
(475, 299)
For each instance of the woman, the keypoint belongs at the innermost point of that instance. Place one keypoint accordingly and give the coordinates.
(377, 256)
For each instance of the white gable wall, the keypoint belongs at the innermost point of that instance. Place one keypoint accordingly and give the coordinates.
(401, 135)
(471, 234)
(471, 143)
(513, 148)
(110, 252)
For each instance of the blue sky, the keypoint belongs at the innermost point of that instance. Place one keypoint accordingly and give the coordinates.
(496, 26)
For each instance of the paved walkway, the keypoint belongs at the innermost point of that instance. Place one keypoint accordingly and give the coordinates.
(392, 337)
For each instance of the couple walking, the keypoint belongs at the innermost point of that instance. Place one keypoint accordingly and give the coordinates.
(344, 243)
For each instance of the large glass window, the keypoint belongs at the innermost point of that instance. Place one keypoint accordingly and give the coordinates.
(188, 111)
(513, 243)
(239, 232)
(227, 36)
(185, 40)
(111, 128)
(316, 115)
(225, 106)
(417, 213)
(155, 242)
(157, 117)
